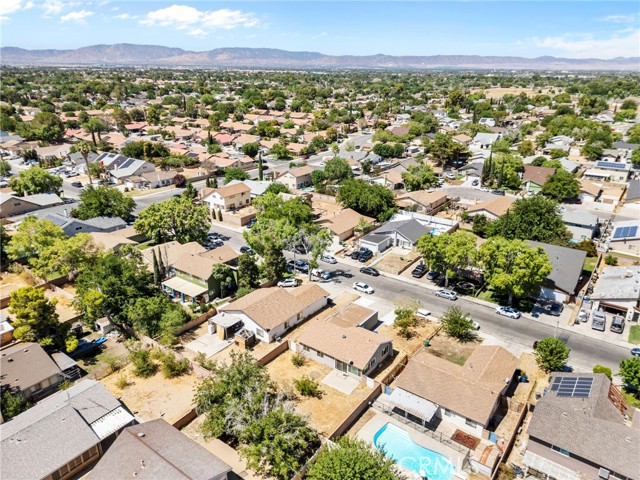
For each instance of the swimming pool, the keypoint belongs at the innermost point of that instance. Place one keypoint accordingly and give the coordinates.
(397, 445)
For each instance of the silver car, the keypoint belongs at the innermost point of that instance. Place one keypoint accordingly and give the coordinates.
(451, 295)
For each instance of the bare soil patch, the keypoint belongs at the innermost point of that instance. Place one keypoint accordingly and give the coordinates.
(395, 263)
(451, 349)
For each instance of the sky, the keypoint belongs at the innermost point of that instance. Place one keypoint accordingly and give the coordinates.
(573, 29)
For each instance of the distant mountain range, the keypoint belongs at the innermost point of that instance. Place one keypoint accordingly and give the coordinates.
(154, 55)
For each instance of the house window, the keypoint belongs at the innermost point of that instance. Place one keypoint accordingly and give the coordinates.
(385, 350)
(320, 355)
(471, 423)
(373, 363)
(446, 412)
(286, 325)
(561, 451)
(305, 348)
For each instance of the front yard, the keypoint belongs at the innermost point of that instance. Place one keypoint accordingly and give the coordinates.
(634, 335)
(451, 349)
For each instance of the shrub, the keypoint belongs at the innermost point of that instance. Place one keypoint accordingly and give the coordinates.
(611, 260)
(114, 363)
(123, 382)
(143, 365)
(172, 367)
(66, 384)
(202, 360)
(405, 322)
(601, 369)
(308, 387)
(297, 360)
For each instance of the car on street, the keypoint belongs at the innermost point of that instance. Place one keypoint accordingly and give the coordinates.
(370, 271)
(556, 309)
(498, 191)
(76, 184)
(363, 287)
(288, 283)
(365, 256)
(328, 259)
(247, 250)
(423, 312)
(299, 265)
(635, 352)
(451, 295)
(419, 271)
(72, 174)
(508, 312)
(433, 275)
(484, 189)
(319, 273)
(475, 183)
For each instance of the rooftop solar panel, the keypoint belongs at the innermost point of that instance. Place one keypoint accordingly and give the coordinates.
(613, 165)
(625, 232)
(577, 387)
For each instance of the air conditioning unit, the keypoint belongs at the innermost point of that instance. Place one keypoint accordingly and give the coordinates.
(603, 473)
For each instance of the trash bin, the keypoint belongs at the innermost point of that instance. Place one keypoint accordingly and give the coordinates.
(426, 342)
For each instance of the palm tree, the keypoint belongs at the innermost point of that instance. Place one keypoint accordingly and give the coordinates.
(84, 148)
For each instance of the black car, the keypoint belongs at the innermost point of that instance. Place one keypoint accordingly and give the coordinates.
(433, 275)
(419, 271)
(370, 271)
(247, 250)
(498, 191)
(366, 255)
(356, 254)
(76, 184)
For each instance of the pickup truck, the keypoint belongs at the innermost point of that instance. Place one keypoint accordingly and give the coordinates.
(598, 321)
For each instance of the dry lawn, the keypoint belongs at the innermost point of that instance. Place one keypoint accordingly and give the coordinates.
(154, 397)
(406, 346)
(12, 281)
(394, 262)
(451, 349)
(324, 413)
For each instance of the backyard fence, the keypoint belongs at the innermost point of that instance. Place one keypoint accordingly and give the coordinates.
(355, 414)
(395, 371)
(273, 354)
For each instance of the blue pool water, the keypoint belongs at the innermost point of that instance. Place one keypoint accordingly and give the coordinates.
(398, 446)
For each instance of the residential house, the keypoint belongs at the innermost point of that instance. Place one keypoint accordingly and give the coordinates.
(29, 371)
(229, 197)
(268, 313)
(156, 179)
(61, 436)
(566, 273)
(617, 291)
(462, 139)
(170, 252)
(429, 202)
(11, 205)
(492, 208)
(120, 168)
(612, 171)
(117, 239)
(582, 224)
(296, 178)
(257, 187)
(401, 233)
(484, 140)
(466, 396)
(6, 332)
(487, 122)
(156, 450)
(633, 192)
(578, 431)
(625, 237)
(534, 178)
(589, 191)
(473, 169)
(344, 223)
(391, 179)
(72, 226)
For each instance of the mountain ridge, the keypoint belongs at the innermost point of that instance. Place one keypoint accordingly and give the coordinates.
(128, 54)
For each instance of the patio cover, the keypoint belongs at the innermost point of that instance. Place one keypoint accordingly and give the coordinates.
(184, 286)
(413, 404)
(548, 467)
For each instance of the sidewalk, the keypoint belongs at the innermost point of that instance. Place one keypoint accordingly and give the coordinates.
(562, 322)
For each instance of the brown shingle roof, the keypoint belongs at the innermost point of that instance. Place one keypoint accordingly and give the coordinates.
(425, 197)
(497, 206)
(471, 390)
(301, 171)
(590, 188)
(234, 189)
(223, 254)
(346, 220)
(171, 251)
(270, 307)
(537, 175)
(196, 265)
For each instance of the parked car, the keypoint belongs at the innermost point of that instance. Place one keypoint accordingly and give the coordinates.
(556, 309)
(365, 256)
(328, 259)
(635, 351)
(433, 275)
(475, 183)
(599, 320)
(423, 312)
(370, 271)
(71, 174)
(288, 283)
(247, 250)
(363, 287)
(419, 271)
(484, 189)
(498, 191)
(319, 273)
(617, 324)
(450, 176)
(76, 184)
(301, 266)
(451, 295)
(356, 254)
(508, 312)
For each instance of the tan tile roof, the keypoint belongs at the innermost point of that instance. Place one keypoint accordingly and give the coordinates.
(352, 315)
(537, 175)
(471, 390)
(350, 344)
(246, 138)
(270, 307)
(497, 206)
(425, 197)
(300, 171)
(590, 188)
(345, 221)
(223, 254)
(196, 265)
(230, 190)
(159, 175)
(171, 251)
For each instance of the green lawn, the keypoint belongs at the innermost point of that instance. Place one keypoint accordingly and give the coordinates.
(145, 245)
(589, 264)
(630, 398)
(487, 296)
(634, 335)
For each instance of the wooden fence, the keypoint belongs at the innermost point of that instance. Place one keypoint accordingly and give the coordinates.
(199, 320)
(355, 414)
(397, 370)
(273, 354)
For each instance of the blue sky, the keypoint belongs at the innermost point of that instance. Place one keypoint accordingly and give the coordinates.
(575, 29)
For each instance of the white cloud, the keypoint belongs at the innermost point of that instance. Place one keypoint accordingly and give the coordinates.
(624, 43)
(625, 18)
(320, 35)
(199, 22)
(125, 16)
(7, 7)
(80, 16)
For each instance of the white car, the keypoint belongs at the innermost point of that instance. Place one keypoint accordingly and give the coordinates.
(484, 189)
(288, 282)
(451, 295)
(476, 325)
(423, 312)
(329, 259)
(509, 312)
(363, 287)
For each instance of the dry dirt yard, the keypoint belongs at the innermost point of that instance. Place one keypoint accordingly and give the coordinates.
(12, 281)
(451, 349)
(395, 262)
(408, 346)
(324, 413)
(154, 397)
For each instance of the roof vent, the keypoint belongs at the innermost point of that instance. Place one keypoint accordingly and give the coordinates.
(26, 350)
(141, 434)
(10, 360)
(565, 414)
(627, 439)
(344, 336)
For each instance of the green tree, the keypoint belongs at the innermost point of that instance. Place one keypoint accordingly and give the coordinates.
(337, 169)
(12, 405)
(449, 252)
(505, 170)
(66, 256)
(635, 157)
(5, 168)
(551, 354)
(280, 152)
(561, 185)
(47, 127)
(276, 187)
(370, 200)
(251, 149)
(36, 320)
(103, 202)
(630, 371)
(320, 241)
(248, 272)
(605, 370)
(156, 316)
(526, 148)
(223, 275)
(444, 149)
(535, 218)
(190, 192)
(235, 174)
(513, 268)
(35, 180)
(33, 237)
(419, 177)
(4, 242)
(84, 149)
(458, 324)
(174, 219)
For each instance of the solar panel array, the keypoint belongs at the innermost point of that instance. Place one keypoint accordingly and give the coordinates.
(625, 232)
(579, 387)
(612, 165)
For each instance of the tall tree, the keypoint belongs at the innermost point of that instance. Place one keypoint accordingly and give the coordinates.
(630, 372)
(35, 180)
(103, 202)
(248, 272)
(419, 177)
(337, 169)
(449, 253)
(67, 256)
(84, 149)
(33, 237)
(174, 219)
(561, 185)
(370, 200)
(551, 354)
